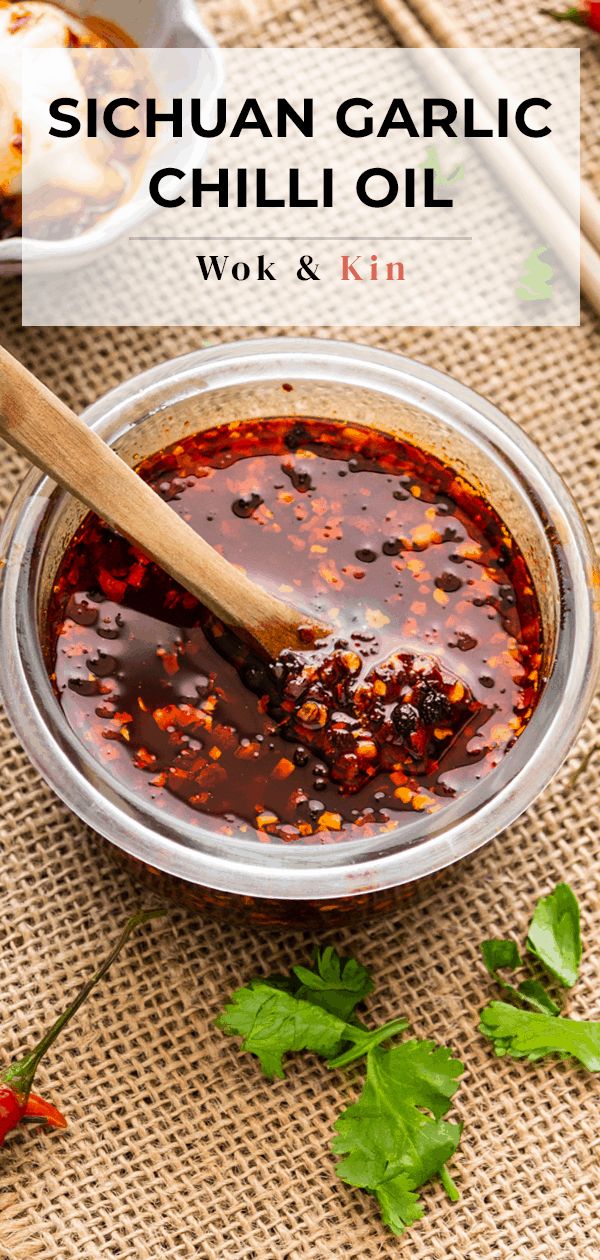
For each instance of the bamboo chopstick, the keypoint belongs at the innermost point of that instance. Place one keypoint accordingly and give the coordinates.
(425, 24)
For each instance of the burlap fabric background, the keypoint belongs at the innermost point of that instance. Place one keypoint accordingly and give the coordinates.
(177, 1148)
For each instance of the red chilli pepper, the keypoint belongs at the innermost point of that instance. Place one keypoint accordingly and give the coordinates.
(585, 14)
(17, 1102)
(38, 1109)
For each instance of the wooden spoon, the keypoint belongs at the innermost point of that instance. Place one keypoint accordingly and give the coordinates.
(37, 423)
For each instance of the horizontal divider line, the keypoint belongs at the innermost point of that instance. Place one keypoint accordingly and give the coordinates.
(300, 238)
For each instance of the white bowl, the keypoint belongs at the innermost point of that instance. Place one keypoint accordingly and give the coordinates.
(151, 24)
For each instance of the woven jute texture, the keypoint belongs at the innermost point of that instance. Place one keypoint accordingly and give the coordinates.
(177, 1147)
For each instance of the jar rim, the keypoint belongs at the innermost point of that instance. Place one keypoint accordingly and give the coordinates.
(344, 868)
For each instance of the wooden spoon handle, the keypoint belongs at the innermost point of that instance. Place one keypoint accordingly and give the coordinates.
(35, 421)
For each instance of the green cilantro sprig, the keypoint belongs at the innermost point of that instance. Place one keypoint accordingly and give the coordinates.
(392, 1145)
(554, 939)
(529, 1035)
(273, 1022)
(555, 935)
(393, 1137)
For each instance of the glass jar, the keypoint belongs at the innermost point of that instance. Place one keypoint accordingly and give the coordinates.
(343, 382)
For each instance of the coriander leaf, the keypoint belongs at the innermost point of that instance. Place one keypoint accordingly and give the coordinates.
(399, 1205)
(535, 995)
(392, 1146)
(531, 1035)
(497, 954)
(273, 1022)
(337, 984)
(554, 934)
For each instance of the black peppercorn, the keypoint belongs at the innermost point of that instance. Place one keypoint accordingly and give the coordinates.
(433, 706)
(405, 718)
